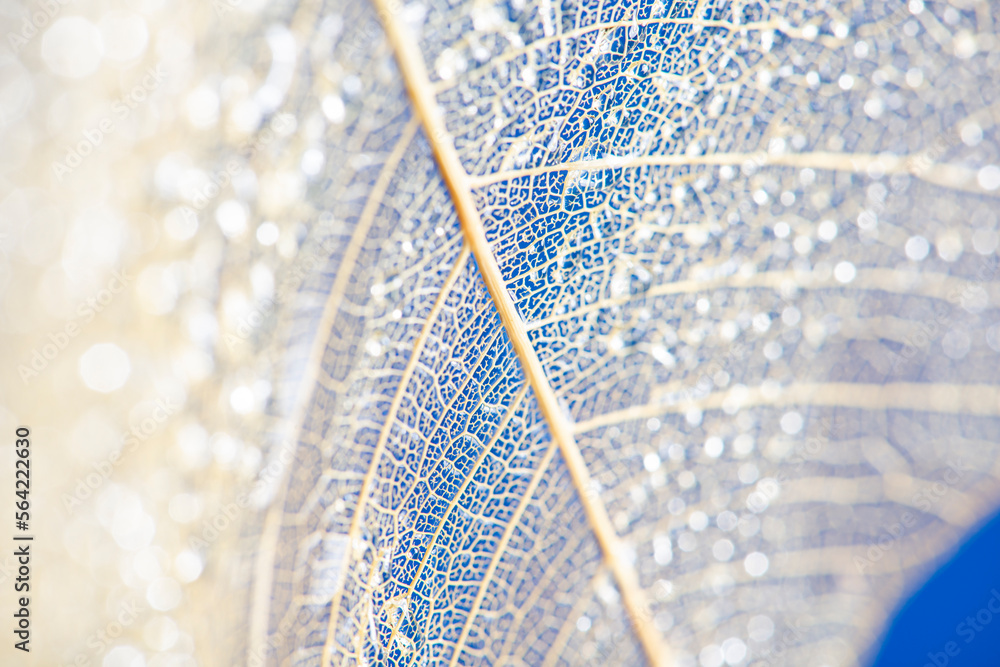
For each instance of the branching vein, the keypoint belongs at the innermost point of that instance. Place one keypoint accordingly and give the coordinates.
(415, 76)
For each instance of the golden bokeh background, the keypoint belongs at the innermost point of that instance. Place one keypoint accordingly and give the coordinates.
(145, 418)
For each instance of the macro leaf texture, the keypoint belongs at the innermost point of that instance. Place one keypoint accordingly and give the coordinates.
(645, 332)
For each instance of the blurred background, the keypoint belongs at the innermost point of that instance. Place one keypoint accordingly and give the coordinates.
(152, 227)
(115, 308)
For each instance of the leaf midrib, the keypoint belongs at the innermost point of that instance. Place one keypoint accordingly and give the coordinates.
(410, 62)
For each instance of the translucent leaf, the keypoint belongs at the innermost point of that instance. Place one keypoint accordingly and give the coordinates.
(644, 332)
